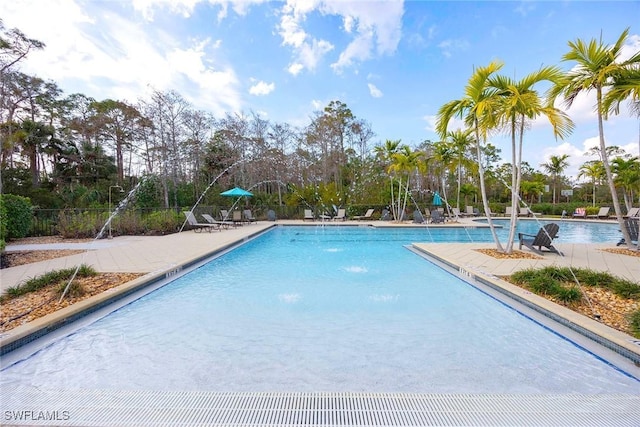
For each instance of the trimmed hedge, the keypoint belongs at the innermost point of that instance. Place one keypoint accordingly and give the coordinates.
(19, 214)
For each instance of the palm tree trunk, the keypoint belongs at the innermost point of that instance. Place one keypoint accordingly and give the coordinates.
(483, 190)
(459, 183)
(393, 203)
(406, 196)
(607, 169)
(514, 189)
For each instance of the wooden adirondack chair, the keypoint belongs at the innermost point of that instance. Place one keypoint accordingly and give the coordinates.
(543, 239)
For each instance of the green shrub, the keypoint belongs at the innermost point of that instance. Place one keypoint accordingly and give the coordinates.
(3, 220)
(128, 223)
(595, 278)
(75, 289)
(626, 289)
(73, 225)
(523, 276)
(568, 294)
(562, 274)
(634, 323)
(163, 222)
(19, 214)
(544, 285)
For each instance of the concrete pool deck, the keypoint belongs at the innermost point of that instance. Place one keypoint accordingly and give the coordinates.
(149, 254)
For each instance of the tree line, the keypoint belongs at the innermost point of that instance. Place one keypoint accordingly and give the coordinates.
(70, 150)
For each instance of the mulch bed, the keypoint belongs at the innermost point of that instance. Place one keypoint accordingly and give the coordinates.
(622, 251)
(516, 254)
(25, 308)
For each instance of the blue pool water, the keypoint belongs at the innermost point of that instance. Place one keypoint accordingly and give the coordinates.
(319, 309)
(570, 232)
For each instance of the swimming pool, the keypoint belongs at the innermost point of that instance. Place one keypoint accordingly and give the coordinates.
(570, 231)
(319, 309)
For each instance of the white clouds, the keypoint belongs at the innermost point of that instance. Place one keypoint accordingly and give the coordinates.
(105, 55)
(525, 7)
(374, 91)
(295, 69)
(376, 31)
(147, 7)
(262, 88)
(450, 46)
(631, 47)
(309, 54)
(307, 49)
(358, 50)
(185, 7)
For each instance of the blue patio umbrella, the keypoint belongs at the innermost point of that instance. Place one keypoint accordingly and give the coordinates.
(437, 200)
(236, 192)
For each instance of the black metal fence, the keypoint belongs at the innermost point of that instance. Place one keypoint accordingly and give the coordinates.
(49, 222)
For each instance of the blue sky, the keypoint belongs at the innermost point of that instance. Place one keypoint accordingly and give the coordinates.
(393, 63)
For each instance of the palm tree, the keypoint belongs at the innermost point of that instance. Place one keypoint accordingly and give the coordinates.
(444, 156)
(627, 177)
(459, 142)
(404, 163)
(520, 103)
(594, 170)
(555, 166)
(599, 67)
(385, 154)
(477, 108)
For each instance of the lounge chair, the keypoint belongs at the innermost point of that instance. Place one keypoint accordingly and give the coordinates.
(633, 213)
(417, 217)
(632, 225)
(308, 214)
(603, 213)
(211, 220)
(248, 216)
(224, 215)
(579, 213)
(470, 211)
(367, 215)
(456, 212)
(199, 226)
(543, 239)
(528, 212)
(508, 210)
(237, 217)
(341, 215)
(437, 217)
(386, 215)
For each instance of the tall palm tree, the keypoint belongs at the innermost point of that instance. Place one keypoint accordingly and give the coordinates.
(593, 170)
(459, 142)
(599, 67)
(555, 166)
(477, 108)
(519, 104)
(385, 154)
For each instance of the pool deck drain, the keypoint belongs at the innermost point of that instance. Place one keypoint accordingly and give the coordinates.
(158, 408)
